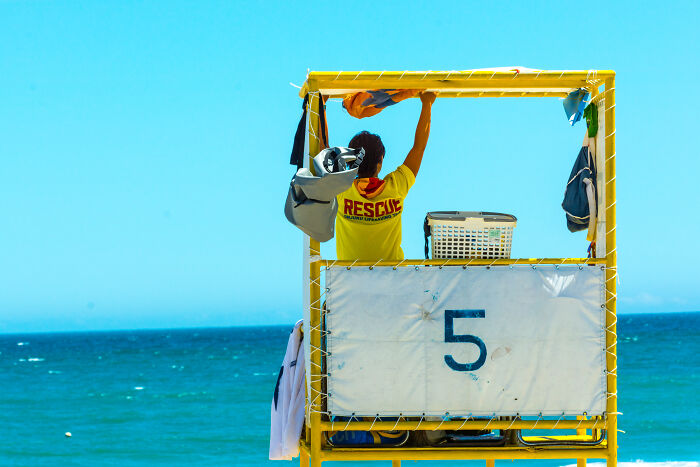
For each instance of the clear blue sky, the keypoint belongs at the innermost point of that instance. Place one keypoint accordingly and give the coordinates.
(144, 146)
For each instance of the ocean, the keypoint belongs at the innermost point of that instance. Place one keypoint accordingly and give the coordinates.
(201, 397)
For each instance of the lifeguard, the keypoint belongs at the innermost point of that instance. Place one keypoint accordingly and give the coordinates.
(368, 224)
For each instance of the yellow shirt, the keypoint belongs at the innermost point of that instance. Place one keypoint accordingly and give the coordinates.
(368, 225)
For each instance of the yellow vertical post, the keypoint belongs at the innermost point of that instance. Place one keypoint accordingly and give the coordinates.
(490, 462)
(611, 271)
(396, 463)
(580, 432)
(314, 146)
(314, 296)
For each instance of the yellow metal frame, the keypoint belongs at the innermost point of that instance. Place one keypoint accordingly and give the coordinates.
(467, 84)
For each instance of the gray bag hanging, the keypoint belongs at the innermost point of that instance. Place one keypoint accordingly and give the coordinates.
(311, 203)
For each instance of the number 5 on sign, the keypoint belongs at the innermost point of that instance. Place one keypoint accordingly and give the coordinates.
(450, 336)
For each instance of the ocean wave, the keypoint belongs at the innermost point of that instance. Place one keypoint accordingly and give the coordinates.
(641, 463)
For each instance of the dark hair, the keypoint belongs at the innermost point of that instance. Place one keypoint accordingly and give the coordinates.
(374, 152)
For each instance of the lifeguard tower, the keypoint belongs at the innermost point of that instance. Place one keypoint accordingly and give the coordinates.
(452, 345)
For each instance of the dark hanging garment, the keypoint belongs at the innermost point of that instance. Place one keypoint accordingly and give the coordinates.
(297, 157)
(322, 122)
(581, 197)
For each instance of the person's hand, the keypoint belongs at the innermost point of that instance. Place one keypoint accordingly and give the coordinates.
(427, 97)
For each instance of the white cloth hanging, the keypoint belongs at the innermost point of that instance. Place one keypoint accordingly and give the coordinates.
(288, 402)
(590, 192)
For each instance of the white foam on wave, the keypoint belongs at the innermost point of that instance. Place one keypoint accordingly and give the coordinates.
(641, 463)
(22, 343)
(35, 359)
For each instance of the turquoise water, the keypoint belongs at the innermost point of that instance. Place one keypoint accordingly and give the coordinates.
(202, 396)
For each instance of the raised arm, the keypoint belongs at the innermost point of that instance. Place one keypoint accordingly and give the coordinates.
(415, 155)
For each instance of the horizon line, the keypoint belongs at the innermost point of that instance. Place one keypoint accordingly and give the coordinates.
(239, 326)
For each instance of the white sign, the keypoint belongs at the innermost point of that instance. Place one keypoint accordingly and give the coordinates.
(477, 341)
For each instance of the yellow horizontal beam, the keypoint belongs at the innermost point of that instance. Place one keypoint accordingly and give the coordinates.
(447, 453)
(528, 93)
(470, 425)
(468, 262)
(567, 438)
(433, 85)
(455, 80)
(549, 75)
(560, 79)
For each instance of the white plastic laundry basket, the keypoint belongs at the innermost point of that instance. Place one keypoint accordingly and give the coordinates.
(468, 234)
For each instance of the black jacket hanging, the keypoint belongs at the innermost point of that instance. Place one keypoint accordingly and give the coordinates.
(297, 157)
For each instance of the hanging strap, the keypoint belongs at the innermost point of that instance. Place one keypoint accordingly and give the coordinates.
(426, 233)
(297, 157)
(322, 122)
